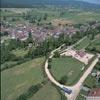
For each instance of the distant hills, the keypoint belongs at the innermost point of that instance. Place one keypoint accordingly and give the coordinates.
(31, 3)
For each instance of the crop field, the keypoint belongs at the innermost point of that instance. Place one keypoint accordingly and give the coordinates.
(80, 96)
(83, 44)
(15, 81)
(95, 44)
(90, 81)
(72, 16)
(66, 66)
(81, 17)
(48, 92)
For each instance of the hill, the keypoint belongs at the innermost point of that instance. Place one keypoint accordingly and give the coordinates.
(31, 3)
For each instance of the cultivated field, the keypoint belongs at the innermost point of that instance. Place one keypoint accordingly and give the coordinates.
(15, 81)
(95, 44)
(66, 66)
(69, 16)
(83, 44)
(47, 93)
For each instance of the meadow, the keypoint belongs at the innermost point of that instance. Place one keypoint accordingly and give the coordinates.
(66, 66)
(83, 44)
(48, 92)
(20, 52)
(95, 45)
(17, 80)
(72, 15)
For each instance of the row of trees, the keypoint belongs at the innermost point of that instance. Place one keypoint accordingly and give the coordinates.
(35, 17)
(31, 91)
(50, 44)
(43, 48)
(13, 44)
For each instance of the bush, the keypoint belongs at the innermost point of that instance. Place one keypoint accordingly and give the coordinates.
(63, 80)
(56, 54)
(30, 92)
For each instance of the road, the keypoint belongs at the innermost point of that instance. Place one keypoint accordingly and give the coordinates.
(75, 88)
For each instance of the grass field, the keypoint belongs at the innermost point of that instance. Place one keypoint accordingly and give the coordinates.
(80, 97)
(81, 17)
(90, 81)
(66, 66)
(20, 52)
(48, 92)
(71, 15)
(95, 45)
(17, 80)
(83, 44)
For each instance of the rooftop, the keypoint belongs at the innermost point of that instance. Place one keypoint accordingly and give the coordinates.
(95, 92)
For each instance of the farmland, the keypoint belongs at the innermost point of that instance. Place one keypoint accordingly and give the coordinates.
(83, 44)
(90, 81)
(66, 66)
(95, 45)
(73, 16)
(47, 93)
(17, 80)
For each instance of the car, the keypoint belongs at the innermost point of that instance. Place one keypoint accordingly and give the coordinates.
(66, 90)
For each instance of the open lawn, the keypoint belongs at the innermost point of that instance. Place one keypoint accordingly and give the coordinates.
(20, 52)
(48, 92)
(66, 66)
(83, 44)
(15, 81)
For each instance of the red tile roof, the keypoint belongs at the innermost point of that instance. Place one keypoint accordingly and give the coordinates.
(95, 92)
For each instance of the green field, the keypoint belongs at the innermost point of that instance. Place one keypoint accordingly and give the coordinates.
(90, 81)
(81, 16)
(83, 44)
(17, 80)
(47, 93)
(80, 97)
(66, 66)
(95, 45)
(20, 52)
(72, 15)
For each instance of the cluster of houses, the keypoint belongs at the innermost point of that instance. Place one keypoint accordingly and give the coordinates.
(21, 31)
(94, 94)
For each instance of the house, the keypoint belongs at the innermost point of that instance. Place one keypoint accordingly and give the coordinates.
(94, 94)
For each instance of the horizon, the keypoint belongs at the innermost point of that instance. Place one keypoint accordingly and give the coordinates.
(91, 1)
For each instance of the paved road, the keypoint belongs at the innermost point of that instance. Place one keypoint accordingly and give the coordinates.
(75, 88)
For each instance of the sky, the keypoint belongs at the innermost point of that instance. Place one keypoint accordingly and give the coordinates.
(92, 1)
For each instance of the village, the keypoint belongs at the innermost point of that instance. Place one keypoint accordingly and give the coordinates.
(39, 34)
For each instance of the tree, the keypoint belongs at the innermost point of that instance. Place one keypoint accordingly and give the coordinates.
(45, 16)
(56, 54)
(63, 80)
